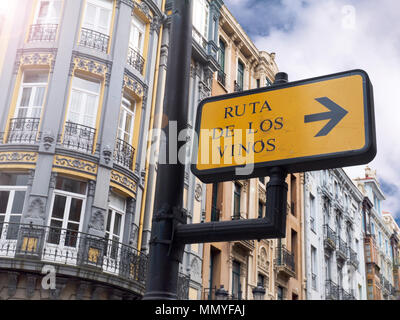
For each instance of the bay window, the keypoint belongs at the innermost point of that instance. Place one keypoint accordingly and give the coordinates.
(201, 10)
(12, 196)
(47, 19)
(124, 151)
(82, 114)
(25, 124)
(96, 24)
(136, 44)
(68, 207)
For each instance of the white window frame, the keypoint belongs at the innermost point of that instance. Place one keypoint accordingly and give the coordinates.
(123, 113)
(30, 108)
(201, 13)
(99, 4)
(83, 105)
(49, 18)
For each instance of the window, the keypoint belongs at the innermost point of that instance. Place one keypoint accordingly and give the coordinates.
(214, 209)
(136, 39)
(261, 280)
(12, 197)
(48, 12)
(293, 194)
(114, 225)
(268, 82)
(84, 102)
(126, 120)
(98, 16)
(240, 75)
(68, 206)
(221, 56)
(312, 212)
(280, 295)
(236, 200)
(31, 94)
(236, 287)
(258, 83)
(200, 19)
(261, 210)
(314, 267)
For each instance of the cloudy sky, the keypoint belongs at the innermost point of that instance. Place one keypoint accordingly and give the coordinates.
(318, 37)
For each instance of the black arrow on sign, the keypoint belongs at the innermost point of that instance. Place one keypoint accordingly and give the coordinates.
(335, 114)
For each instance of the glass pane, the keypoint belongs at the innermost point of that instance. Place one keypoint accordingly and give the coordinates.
(26, 94)
(59, 206)
(55, 232)
(4, 195)
(75, 210)
(128, 123)
(104, 21)
(117, 224)
(56, 10)
(39, 97)
(108, 222)
(70, 185)
(11, 179)
(90, 16)
(35, 76)
(117, 201)
(13, 227)
(43, 10)
(21, 113)
(72, 235)
(18, 204)
(79, 83)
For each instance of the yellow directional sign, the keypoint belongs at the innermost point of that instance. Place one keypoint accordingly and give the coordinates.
(312, 124)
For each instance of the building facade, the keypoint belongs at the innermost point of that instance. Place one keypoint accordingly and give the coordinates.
(76, 101)
(333, 237)
(377, 240)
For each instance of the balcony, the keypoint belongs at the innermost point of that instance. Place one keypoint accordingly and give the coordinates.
(221, 77)
(42, 32)
(123, 154)
(329, 238)
(78, 137)
(237, 87)
(341, 253)
(23, 130)
(198, 37)
(284, 262)
(76, 253)
(209, 294)
(94, 40)
(353, 257)
(332, 290)
(135, 60)
(344, 295)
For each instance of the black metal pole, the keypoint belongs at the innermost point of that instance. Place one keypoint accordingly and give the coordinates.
(165, 254)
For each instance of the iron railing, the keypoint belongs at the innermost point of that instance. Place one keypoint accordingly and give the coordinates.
(331, 290)
(123, 153)
(198, 37)
(285, 258)
(342, 247)
(94, 40)
(78, 136)
(329, 236)
(353, 257)
(42, 32)
(221, 77)
(344, 295)
(23, 130)
(183, 287)
(237, 87)
(135, 60)
(73, 248)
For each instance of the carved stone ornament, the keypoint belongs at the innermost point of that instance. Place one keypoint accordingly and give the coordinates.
(48, 139)
(36, 209)
(97, 220)
(107, 153)
(197, 192)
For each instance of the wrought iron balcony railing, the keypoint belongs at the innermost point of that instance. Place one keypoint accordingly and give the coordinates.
(42, 32)
(331, 290)
(285, 258)
(353, 257)
(237, 87)
(329, 237)
(344, 295)
(221, 77)
(94, 40)
(23, 130)
(79, 137)
(72, 248)
(135, 60)
(123, 153)
(342, 248)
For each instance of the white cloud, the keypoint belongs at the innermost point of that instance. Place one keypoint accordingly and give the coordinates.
(323, 40)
